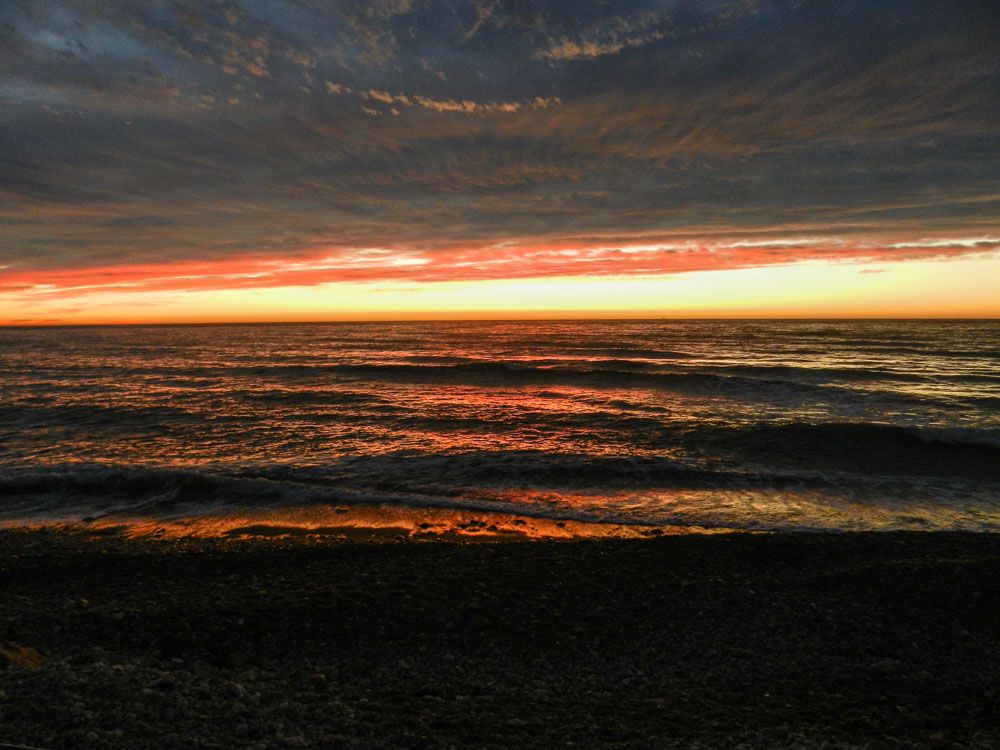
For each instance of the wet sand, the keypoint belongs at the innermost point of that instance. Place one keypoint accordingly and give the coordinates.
(300, 639)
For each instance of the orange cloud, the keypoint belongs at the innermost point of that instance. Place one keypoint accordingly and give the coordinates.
(463, 106)
(484, 263)
(568, 49)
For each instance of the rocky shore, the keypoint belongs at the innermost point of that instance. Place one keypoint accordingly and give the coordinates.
(763, 641)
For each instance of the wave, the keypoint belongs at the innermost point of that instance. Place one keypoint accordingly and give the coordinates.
(517, 373)
(37, 413)
(444, 369)
(95, 492)
(861, 448)
(396, 474)
(778, 456)
(736, 380)
(633, 352)
(768, 384)
(90, 492)
(930, 352)
(519, 363)
(858, 433)
(850, 374)
(297, 396)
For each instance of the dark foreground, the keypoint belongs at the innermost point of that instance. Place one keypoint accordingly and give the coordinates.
(875, 641)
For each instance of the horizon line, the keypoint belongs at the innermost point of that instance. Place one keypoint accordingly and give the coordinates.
(550, 319)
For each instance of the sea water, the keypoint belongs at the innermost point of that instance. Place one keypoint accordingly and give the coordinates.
(837, 425)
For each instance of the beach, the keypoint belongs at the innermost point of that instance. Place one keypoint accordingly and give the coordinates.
(874, 640)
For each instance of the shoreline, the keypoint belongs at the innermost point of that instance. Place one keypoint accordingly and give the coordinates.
(373, 522)
(848, 640)
(386, 522)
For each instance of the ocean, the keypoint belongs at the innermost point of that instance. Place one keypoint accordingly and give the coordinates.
(821, 425)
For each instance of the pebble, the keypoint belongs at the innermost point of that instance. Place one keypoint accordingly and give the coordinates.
(885, 666)
(628, 663)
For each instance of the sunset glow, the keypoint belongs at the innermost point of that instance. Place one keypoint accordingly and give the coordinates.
(378, 160)
(938, 278)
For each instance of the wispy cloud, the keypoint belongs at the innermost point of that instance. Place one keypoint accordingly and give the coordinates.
(504, 261)
(464, 106)
(492, 138)
(588, 49)
(972, 243)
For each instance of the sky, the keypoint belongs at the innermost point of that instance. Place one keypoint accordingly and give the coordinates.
(182, 161)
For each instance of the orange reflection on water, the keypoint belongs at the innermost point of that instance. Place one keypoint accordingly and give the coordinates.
(369, 523)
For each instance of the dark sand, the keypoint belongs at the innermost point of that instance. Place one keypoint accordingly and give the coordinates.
(786, 640)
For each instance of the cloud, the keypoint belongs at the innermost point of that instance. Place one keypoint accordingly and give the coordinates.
(465, 106)
(473, 108)
(146, 136)
(484, 12)
(972, 243)
(567, 49)
(371, 23)
(493, 262)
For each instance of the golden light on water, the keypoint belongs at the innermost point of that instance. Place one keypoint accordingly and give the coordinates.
(367, 523)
